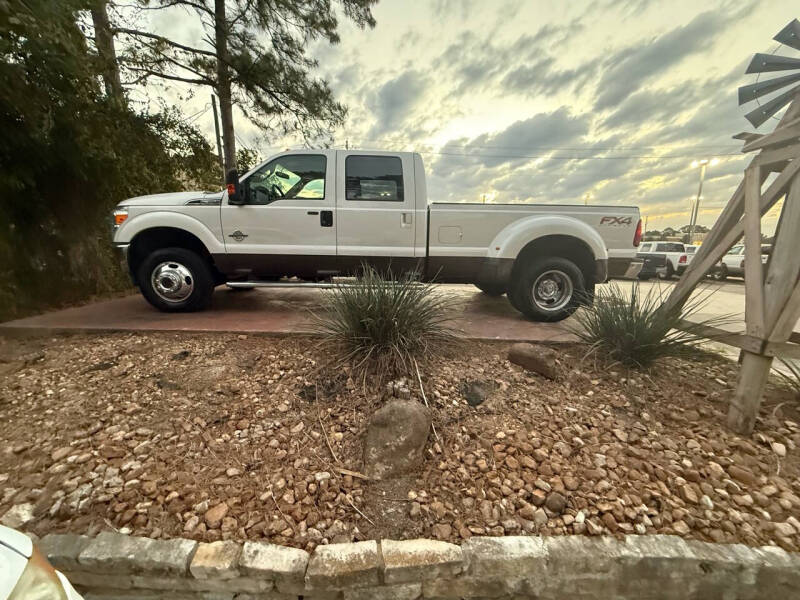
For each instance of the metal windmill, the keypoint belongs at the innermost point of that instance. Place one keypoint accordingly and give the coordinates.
(769, 63)
(772, 291)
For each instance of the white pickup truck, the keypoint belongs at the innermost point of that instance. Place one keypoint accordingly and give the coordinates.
(676, 253)
(316, 214)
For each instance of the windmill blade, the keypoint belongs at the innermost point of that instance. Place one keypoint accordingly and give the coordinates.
(765, 111)
(748, 93)
(790, 35)
(763, 63)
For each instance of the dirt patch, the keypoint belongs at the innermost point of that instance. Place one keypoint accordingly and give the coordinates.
(236, 437)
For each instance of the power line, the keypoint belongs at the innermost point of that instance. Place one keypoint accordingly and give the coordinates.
(575, 148)
(552, 157)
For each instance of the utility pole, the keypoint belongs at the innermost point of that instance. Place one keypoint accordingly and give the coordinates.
(216, 130)
(703, 163)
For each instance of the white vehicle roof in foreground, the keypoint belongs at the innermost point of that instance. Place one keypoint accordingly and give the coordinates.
(16, 541)
(15, 550)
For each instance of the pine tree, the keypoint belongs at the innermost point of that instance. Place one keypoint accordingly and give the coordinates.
(254, 56)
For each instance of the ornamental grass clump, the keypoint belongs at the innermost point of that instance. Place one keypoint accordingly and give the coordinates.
(384, 322)
(635, 330)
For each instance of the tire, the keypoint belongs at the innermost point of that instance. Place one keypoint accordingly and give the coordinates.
(176, 280)
(721, 274)
(548, 289)
(491, 289)
(670, 272)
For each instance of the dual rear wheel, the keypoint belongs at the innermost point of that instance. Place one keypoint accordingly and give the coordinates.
(548, 289)
(545, 289)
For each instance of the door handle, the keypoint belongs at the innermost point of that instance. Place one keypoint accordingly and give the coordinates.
(326, 218)
(313, 212)
(405, 219)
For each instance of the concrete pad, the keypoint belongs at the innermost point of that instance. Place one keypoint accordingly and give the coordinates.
(279, 311)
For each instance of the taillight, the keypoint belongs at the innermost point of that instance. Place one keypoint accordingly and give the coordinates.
(637, 237)
(682, 259)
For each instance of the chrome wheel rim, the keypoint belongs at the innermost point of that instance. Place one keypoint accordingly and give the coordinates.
(552, 290)
(172, 281)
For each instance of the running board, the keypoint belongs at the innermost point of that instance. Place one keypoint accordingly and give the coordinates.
(246, 285)
(282, 284)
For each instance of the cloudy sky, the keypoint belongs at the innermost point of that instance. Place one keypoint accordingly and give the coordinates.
(553, 102)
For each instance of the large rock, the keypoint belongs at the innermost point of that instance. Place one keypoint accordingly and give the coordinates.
(396, 436)
(536, 358)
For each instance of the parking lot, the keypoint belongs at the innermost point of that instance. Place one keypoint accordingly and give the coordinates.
(288, 311)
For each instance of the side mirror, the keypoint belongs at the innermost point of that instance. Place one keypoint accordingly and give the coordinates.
(235, 195)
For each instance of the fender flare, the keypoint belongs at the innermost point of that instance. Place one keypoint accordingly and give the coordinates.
(158, 219)
(510, 241)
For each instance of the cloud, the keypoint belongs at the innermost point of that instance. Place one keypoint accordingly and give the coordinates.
(633, 66)
(517, 141)
(522, 65)
(542, 77)
(394, 101)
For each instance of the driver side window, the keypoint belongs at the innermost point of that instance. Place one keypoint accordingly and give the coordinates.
(297, 176)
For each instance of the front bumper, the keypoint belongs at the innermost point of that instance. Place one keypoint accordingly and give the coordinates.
(122, 255)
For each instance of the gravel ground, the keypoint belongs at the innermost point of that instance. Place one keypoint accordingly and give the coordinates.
(236, 437)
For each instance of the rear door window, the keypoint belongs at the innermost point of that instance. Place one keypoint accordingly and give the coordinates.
(374, 178)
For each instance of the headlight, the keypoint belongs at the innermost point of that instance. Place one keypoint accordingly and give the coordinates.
(119, 217)
(39, 581)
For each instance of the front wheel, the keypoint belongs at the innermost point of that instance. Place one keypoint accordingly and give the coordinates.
(491, 289)
(548, 289)
(721, 274)
(176, 280)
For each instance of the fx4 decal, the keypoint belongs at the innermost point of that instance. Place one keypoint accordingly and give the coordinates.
(616, 221)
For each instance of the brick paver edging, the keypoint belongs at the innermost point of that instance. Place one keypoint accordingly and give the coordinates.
(658, 566)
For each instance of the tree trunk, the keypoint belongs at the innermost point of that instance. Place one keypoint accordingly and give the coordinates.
(104, 40)
(224, 85)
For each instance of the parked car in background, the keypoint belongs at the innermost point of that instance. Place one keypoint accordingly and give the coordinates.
(677, 259)
(25, 572)
(732, 264)
(653, 265)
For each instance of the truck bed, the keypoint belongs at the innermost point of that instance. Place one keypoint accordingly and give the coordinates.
(469, 228)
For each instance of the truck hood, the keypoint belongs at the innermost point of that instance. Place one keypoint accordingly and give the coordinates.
(174, 199)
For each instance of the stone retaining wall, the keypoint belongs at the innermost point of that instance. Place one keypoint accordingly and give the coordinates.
(565, 567)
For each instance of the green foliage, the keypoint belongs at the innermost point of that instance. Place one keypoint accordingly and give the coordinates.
(634, 330)
(68, 155)
(267, 63)
(384, 323)
(246, 159)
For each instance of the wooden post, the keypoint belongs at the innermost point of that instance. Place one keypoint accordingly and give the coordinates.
(774, 298)
(744, 405)
(754, 279)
